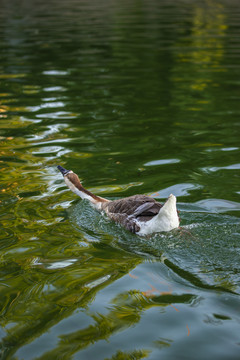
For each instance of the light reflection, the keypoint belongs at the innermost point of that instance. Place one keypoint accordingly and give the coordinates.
(114, 188)
(55, 72)
(61, 264)
(162, 162)
(217, 168)
(63, 204)
(98, 281)
(203, 50)
(57, 115)
(12, 76)
(56, 104)
(48, 149)
(223, 149)
(54, 88)
(51, 129)
(178, 190)
(219, 205)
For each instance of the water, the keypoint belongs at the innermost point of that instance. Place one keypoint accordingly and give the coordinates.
(135, 97)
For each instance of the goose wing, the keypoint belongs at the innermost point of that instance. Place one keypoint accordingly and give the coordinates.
(129, 211)
(141, 207)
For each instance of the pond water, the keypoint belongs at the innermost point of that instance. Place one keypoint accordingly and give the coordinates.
(135, 97)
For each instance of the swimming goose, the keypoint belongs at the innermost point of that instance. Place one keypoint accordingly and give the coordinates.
(139, 214)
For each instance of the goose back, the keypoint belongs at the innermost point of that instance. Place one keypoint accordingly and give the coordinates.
(141, 207)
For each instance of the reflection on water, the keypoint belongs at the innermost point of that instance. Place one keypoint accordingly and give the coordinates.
(135, 98)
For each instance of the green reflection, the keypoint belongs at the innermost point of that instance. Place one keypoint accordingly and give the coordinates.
(137, 98)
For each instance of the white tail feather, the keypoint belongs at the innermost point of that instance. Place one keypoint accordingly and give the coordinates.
(166, 220)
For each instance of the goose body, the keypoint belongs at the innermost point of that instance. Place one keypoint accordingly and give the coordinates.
(139, 214)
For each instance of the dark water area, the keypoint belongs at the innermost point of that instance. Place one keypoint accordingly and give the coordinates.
(135, 97)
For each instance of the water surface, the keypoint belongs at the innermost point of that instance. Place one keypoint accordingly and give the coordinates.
(135, 97)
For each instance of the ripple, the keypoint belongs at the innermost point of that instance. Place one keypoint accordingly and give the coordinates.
(12, 76)
(98, 281)
(57, 264)
(233, 148)
(219, 205)
(51, 129)
(162, 162)
(178, 190)
(54, 88)
(230, 149)
(58, 115)
(217, 168)
(48, 149)
(115, 188)
(55, 72)
(54, 104)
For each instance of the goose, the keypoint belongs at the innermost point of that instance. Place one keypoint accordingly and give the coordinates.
(140, 214)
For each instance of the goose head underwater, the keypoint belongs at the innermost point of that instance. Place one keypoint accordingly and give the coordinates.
(139, 214)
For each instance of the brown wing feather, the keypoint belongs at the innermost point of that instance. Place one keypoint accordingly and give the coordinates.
(137, 205)
(126, 211)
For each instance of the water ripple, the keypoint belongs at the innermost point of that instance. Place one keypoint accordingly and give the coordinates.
(162, 162)
(178, 190)
(217, 168)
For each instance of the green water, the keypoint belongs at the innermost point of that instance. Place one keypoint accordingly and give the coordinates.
(135, 97)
